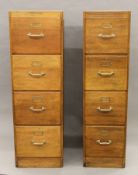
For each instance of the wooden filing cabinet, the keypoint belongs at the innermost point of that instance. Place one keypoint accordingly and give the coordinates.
(37, 78)
(105, 87)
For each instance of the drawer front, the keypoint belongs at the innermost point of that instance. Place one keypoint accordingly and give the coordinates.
(37, 108)
(38, 33)
(43, 141)
(102, 107)
(105, 141)
(104, 34)
(37, 72)
(106, 72)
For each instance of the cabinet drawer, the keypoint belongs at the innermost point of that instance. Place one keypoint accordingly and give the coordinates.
(107, 33)
(42, 141)
(105, 141)
(106, 72)
(105, 107)
(37, 108)
(36, 32)
(37, 72)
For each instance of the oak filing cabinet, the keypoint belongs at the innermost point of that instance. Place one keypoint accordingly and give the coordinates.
(106, 62)
(37, 76)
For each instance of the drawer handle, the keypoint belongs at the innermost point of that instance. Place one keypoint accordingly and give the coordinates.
(105, 110)
(37, 110)
(36, 36)
(109, 142)
(105, 36)
(38, 143)
(106, 74)
(37, 75)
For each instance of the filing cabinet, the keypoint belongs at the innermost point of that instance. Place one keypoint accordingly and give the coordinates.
(105, 87)
(37, 79)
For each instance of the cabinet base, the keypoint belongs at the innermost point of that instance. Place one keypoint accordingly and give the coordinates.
(104, 162)
(39, 162)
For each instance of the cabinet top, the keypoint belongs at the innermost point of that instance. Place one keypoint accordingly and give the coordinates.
(108, 14)
(55, 14)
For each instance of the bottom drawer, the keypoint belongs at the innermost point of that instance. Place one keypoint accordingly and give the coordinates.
(104, 141)
(43, 141)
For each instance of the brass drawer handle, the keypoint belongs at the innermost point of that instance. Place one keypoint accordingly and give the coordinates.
(104, 142)
(105, 36)
(106, 74)
(37, 75)
(37, 110)
(38, 143)
(104, 110)
(36, 36)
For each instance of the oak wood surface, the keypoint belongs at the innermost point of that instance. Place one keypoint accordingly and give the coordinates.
(106, 64)
(37, 40)
(105, 133)
(114, 33)
(36, 23)
(37, 108)
(23, 65)
(106, 51)
(36, 162)
(107, 14)
(46, 138)
(105, 162)
(96, 103)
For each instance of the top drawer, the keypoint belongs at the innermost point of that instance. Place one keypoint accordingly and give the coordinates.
(106, 32)
(36, 32)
